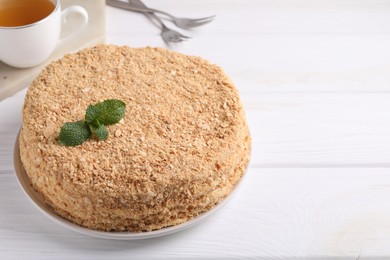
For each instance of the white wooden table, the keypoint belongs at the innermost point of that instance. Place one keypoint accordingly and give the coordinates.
(314, 76)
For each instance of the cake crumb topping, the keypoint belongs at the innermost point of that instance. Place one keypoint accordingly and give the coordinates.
(180, 149)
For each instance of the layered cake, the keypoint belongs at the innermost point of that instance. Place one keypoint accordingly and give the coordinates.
(180, 149)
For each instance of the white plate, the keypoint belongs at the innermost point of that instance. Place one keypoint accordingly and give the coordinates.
(38, 201)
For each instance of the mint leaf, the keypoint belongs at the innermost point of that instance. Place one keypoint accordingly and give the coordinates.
(73, 134)
(92, 114)
(111, 111)
(100, 131)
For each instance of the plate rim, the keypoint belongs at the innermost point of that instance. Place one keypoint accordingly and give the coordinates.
(37, 200)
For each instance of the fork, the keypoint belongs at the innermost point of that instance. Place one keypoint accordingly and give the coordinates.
(167, 34)
(184, 23)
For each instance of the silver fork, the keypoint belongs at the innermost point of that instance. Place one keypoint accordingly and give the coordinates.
(184, 23)
(167, 34)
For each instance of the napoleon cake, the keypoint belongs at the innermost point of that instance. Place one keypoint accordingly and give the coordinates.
(180, 149)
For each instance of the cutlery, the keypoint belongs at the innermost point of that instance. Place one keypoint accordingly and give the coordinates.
(167, 34)
(184, 23)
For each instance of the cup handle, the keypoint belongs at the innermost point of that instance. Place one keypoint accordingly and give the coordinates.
(70, 10)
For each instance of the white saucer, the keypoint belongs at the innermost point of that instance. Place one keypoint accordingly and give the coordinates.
(38, 201)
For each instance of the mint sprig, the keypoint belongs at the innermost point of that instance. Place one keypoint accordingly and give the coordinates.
(97, 116)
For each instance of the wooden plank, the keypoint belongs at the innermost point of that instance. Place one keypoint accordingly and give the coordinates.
(276, 214)
(322, 130)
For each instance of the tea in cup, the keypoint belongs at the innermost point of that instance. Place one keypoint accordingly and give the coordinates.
(30, 30)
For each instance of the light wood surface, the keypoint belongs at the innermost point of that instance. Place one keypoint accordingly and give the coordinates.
(314, 76)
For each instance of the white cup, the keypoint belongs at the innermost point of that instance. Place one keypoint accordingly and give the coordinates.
(30, 45)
